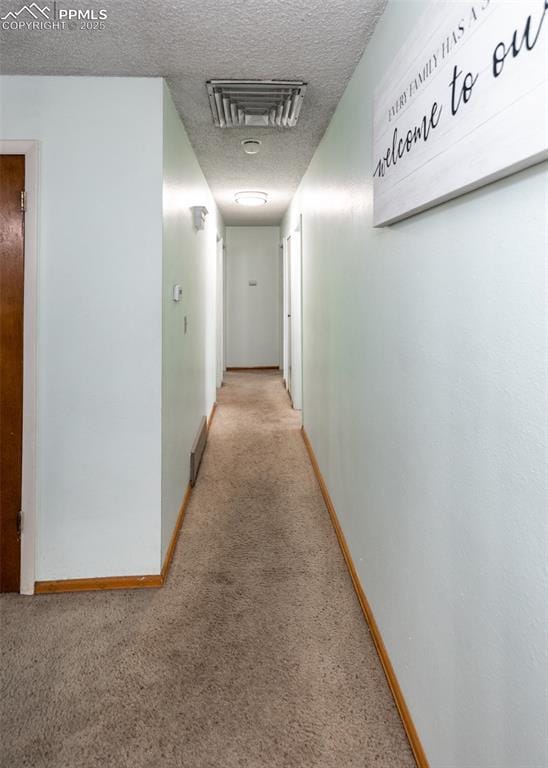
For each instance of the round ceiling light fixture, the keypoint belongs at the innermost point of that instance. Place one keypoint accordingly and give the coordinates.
(251, 146)
(251, 198)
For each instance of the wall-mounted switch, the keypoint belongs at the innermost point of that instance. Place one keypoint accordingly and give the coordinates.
(177, 293)
(252, 282)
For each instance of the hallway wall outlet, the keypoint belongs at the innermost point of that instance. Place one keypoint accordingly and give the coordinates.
(177, 293)
(252, 282)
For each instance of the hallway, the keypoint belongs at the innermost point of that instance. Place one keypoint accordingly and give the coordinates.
(255, 653)
(330, 220)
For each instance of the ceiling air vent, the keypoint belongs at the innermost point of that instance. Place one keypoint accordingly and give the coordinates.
(255, 103)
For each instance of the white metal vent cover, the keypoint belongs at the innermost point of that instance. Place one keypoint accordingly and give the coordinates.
(255, 103)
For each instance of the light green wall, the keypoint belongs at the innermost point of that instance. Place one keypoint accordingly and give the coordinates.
(121, 388)
(99, 318)
(253, 312)
(188, 360)
(425, 401)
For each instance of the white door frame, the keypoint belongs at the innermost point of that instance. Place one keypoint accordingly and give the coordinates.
(220, 313)
(293, 310)
(281, 309)
(286, 312)
(225, 304)
(28, 490)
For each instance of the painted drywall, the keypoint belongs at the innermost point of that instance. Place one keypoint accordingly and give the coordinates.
(121, 386)
(99, 318)
(189, 358)
(253, 313)
(425, 401)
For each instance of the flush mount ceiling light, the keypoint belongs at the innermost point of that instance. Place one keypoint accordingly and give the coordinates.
(251, 146)
(251, 199)
(255, 103)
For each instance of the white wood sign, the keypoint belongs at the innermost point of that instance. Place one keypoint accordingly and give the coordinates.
(465, 102)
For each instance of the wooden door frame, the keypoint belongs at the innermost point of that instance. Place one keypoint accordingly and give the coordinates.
(28, 491)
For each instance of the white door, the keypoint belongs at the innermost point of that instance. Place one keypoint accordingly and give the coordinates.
(220, 312)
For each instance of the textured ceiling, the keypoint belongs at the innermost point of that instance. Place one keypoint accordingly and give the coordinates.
(189, 42)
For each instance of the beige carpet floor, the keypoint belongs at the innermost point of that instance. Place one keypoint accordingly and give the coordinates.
(254, 655)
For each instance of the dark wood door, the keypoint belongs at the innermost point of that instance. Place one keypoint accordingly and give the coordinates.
(12, 183)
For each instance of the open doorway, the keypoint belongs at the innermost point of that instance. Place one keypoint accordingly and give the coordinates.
(293, 316)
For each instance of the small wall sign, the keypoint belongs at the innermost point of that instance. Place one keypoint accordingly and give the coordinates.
(464, 103)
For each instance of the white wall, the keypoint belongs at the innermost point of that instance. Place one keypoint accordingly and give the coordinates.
(253, 313)
(99, 318)
(189, 360)
(425, 401)
(121, 389)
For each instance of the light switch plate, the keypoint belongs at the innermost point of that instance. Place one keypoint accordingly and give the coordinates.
(177, 293)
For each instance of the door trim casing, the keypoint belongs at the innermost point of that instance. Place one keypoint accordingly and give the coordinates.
(28, 490)
(296, 394)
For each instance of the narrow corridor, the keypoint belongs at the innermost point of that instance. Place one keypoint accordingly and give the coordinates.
(255, 653)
